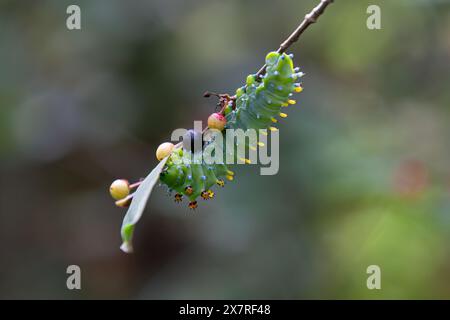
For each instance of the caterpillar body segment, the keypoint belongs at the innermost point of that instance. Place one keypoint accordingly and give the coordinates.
(190, 179)
(258, 104)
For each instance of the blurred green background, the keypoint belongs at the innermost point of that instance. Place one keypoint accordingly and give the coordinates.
(364, 166)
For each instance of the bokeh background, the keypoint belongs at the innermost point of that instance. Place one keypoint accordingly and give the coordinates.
(365, 160)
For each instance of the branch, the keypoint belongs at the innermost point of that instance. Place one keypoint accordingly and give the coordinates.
(309, 19)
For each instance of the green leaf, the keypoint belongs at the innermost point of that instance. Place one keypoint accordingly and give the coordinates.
(137, 206)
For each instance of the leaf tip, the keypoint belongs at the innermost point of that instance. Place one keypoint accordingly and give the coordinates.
(126, 247)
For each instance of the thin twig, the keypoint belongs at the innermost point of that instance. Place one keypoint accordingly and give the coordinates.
(309, 19)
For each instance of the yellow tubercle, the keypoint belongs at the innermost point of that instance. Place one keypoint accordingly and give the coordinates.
(207, 194)
(298, 89)
(290, 101)
(193, 205)
(283, 115)
(261, 144)
(246, 161)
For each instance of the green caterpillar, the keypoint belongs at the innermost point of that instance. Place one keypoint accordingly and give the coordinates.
(192, 179)
(255, 106)
(258, 103)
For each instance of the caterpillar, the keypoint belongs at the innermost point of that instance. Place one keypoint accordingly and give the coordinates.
(190, 178)
(257, 104)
